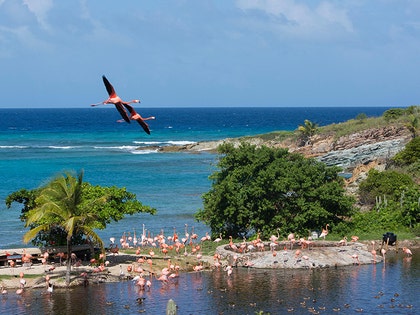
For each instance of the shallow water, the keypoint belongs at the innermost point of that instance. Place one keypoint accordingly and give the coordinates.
(390, 288)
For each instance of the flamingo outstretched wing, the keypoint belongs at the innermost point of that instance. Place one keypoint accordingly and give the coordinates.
(121, 110)
(144, 126)
(109, 87)
(141, 122)
(119, 106)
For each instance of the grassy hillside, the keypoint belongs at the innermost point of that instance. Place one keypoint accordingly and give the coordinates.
(399, 117)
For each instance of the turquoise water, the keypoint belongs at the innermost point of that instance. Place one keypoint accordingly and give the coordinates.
(36, 144)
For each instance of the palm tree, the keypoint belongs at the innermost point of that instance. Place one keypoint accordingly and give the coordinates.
(60, 204)
(307, 130)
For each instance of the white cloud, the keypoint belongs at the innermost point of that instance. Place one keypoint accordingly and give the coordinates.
(40, 9)
(289, 17)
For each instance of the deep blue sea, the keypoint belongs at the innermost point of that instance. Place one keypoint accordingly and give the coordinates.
(37, 144)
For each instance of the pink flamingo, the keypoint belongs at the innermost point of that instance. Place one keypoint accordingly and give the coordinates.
(141, 120)
(229, 270)
(163, 278)
(148, 284)
(219, 239)
(383, 252)
(119, 105)
(355, 259)
(374, 255)
(206, 237)
(291, 239)
(22, 282)
(343, 242)
(373, 251)
(115, 99)
(407, 251)
(232, 245)
(324, 231)
(141, 282)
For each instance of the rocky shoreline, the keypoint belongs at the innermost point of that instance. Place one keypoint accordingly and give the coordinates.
(371, 147)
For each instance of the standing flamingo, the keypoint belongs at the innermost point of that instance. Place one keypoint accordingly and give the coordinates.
(219, 239)
(407, 251)
(291, 239)
(343, 242)
(324, 231)
(355, 259)
(373, 251)
(383, 252)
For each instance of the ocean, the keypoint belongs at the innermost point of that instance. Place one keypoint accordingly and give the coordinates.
(37, 144)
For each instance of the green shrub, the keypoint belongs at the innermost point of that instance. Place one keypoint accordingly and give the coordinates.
(393, 113)
(379, 184)
(410, 154)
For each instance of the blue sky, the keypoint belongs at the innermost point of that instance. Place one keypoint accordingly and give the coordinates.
(210, 53)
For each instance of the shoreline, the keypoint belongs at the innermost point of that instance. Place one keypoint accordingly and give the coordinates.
(322, 254)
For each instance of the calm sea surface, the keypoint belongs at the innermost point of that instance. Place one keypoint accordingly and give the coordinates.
(390, 288)
(36, 144)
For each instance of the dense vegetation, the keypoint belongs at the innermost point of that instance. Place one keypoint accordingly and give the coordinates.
(67, 211)
(112, 204)
(263, 190)
(393, 196)
(268, 190)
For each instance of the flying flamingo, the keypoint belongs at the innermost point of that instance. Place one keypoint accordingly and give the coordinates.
(119, 105)
(141, 120)
(115, 99)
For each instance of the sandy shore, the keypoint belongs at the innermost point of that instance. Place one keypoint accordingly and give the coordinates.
(321, 255)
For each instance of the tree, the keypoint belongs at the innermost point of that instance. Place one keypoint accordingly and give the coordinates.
(307, 130)
(410, 154)
(387, 183)
(263, 189)
(67, 206)
(361, 117)
(409, 205)
(393, 113)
